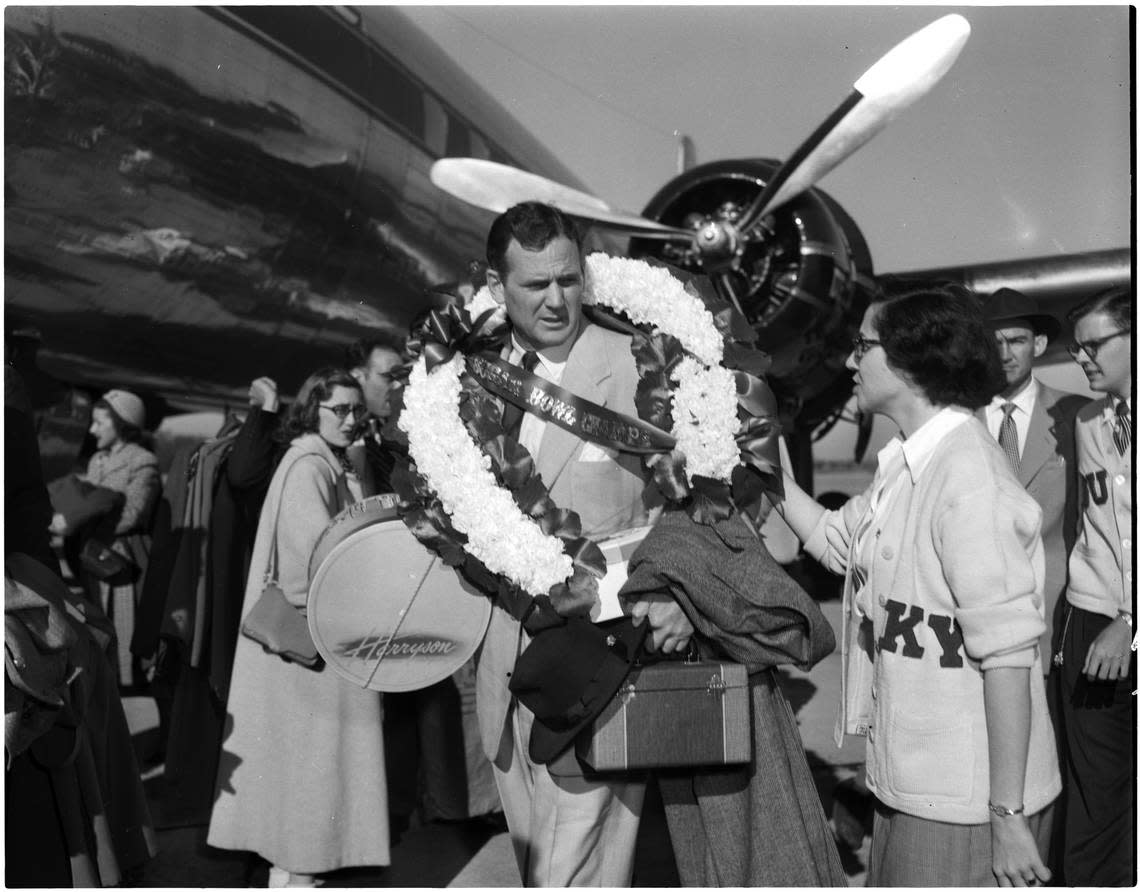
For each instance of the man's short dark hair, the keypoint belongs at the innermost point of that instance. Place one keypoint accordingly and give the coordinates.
(533, 225)
(939, 340)
(358, 353)
(1115, 302)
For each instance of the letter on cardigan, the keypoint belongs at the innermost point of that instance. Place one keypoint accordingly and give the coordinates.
(949, 637)
(896, 626)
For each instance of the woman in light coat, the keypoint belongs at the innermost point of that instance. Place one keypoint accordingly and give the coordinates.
(122, 541)
(301, 775)
(943, 573)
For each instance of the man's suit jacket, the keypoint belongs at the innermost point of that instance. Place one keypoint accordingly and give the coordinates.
(1049, 474)
(605, 488)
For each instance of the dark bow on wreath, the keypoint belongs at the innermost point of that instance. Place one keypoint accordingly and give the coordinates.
(707, 500)
(441, 335)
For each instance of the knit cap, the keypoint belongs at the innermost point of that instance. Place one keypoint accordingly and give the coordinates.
(127, 406)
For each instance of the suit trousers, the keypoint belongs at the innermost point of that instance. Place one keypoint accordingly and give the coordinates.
(566, 830)
(1098, 762)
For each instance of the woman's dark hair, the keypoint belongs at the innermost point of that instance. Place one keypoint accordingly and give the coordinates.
(533, 225)
(302, 417)
(938, 338)
(126, 431)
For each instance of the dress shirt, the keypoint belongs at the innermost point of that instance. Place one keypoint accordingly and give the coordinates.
(1025, 401)
(533, 427)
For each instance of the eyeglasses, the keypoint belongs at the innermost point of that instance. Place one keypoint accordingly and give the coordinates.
(1091, 348)
(860, 345)
(342, 410)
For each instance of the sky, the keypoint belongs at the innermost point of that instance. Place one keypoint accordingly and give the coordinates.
(1022, 150)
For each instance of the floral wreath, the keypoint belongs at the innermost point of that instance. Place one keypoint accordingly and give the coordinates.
(473, 495)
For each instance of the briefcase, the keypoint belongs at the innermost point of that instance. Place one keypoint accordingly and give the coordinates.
(673, 714)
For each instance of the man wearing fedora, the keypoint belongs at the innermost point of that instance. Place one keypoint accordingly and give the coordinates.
(567, 830)
(1035, 426)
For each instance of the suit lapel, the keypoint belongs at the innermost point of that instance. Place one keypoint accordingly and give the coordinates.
(1040, 439)
(587, 368)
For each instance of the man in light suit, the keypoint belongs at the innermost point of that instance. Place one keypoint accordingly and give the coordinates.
(1040, 430)
(567, 830)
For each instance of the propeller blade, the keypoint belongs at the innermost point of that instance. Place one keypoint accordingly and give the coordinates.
(496, 187)
(906, 73)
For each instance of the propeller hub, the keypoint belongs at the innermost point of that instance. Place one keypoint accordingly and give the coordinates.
(717, 241)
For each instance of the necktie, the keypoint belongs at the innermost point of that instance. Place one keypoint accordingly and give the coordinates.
(1007, 437)
(1122, 430)
(512, 414)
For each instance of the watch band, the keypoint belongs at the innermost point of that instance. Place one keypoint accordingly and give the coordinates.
(1005, 812)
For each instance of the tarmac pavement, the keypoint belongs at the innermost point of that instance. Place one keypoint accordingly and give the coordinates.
(475, 854)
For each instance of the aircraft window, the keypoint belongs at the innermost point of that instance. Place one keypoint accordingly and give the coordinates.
(458, 138)
(479, 147)
(435, 125)
(343, 56)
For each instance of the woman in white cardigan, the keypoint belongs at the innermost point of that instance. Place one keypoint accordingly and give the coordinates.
(943, 570)
(301, 776)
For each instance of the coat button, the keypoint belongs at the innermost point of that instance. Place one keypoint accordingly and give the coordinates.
(882, 600)
(888, 552)
(1119, 480)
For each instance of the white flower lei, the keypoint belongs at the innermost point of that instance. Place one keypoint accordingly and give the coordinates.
(704, 401)
(498, 533)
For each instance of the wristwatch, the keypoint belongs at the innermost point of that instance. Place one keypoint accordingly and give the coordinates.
(1006, 812)
(1127, 617)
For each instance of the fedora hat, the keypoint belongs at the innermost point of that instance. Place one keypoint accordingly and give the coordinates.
(567, 675)
(1006, 304)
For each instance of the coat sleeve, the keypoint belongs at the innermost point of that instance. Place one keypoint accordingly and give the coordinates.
(988, 539)
(143, 487)
(250, 462)
(308, 503)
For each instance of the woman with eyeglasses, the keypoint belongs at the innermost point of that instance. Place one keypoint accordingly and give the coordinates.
(301, 775)
(942, 603)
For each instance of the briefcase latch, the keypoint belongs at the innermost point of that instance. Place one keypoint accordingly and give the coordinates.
(716, 686)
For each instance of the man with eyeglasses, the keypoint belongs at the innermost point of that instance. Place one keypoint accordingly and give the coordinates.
(1098, 676)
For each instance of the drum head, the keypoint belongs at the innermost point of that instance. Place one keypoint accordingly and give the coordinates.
(387, 614)
(355, 517)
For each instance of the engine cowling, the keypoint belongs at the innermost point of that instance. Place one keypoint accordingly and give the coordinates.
(803, 276)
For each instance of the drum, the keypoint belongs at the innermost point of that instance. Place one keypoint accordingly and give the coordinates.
(355, 517)
(384, 611)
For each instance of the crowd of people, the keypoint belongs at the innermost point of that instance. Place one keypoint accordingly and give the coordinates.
(987, 640)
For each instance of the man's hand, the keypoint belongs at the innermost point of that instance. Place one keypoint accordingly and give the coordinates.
(1110, 655)
(263, 393)
(58, 524)
(669, 627)
(1016, 859)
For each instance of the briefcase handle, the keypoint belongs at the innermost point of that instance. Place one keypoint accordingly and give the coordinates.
(691, 655)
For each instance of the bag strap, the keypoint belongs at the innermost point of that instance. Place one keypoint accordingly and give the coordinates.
(271, 564)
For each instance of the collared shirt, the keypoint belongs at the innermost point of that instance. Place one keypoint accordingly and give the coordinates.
(532, 428)
(1025, 402)
(912, 456)
(1100, 565)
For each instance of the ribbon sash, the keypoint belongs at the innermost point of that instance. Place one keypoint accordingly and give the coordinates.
(585, 419)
